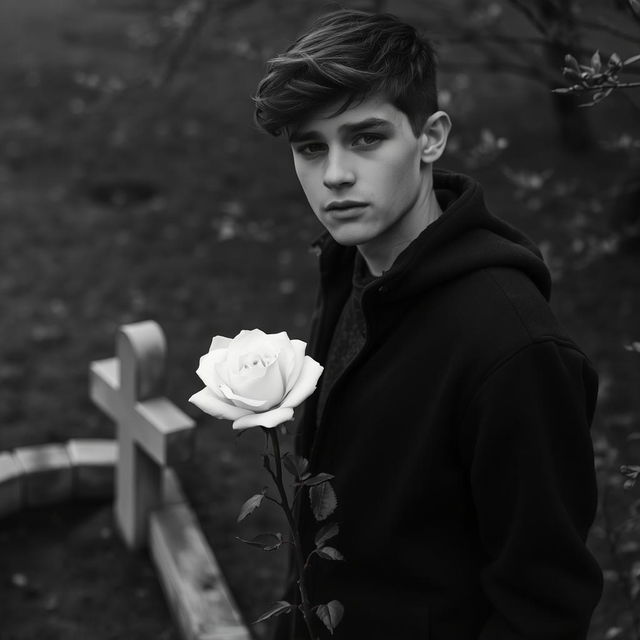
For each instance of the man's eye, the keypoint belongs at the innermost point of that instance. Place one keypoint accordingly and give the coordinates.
(310, 149)
(367, 140)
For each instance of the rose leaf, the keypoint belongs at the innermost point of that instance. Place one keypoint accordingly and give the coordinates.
(330, 614)
(323, 500)
(317, 479)
(265, 541)
(282, 606)
(327, 532)
(251, 505)
(296, 465)
(329, 553)
(290, 465)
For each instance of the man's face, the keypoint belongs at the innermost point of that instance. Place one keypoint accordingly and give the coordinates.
(362, 172)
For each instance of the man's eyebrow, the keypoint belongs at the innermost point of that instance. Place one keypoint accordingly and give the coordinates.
(347, 127)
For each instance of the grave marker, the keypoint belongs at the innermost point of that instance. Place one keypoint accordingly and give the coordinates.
(151, 507)
(152, 432)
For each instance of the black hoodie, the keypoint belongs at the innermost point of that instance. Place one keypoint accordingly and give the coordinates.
(459, 439)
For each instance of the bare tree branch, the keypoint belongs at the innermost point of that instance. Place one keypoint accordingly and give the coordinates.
(609, 85)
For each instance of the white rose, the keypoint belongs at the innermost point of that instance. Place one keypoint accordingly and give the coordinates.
(256, 379)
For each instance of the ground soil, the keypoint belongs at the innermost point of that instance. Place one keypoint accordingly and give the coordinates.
(166, 203)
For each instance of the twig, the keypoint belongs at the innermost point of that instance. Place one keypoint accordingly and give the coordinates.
(606, 85)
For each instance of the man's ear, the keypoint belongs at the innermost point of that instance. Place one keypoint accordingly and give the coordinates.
(435, 134)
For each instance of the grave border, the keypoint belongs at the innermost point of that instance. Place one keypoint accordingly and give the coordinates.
(198, 596)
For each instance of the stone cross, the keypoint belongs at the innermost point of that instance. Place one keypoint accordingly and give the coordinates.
(152, 432)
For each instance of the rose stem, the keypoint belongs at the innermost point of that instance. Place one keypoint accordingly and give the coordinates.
(306, 606)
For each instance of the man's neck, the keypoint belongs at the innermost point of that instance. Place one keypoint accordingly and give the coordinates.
(381, 253)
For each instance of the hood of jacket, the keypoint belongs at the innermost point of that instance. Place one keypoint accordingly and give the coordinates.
(465, 238)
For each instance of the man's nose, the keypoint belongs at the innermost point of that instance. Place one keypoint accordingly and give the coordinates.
(337, 172)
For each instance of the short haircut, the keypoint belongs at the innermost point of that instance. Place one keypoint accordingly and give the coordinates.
(347, 56)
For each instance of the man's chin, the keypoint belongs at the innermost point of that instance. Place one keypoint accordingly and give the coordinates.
(346, 243)
(348, 239)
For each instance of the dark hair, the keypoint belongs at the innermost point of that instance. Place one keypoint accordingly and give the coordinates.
(349, 55)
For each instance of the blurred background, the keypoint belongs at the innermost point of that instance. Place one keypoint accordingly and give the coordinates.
(134, 185)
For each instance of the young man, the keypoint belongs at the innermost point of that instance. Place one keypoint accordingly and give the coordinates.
(454, 411)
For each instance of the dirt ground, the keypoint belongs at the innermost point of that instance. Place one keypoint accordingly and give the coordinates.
(118, 205)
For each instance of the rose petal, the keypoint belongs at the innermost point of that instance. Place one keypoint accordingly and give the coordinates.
(241, 401)
(299, 348)
(255, 369)
(286, 362)
(213, 405)
(219, 342)
(280, 340)
(244, 332)
(269, 387)
(305, 384)
(268, 419)
(210, 370)
(222, 370)
(257, 341)
(285, 354)
(245, 341)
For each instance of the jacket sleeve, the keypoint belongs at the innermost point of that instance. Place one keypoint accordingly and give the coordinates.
(533, 483)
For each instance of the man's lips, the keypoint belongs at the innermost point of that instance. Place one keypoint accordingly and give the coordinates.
(343, 205)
